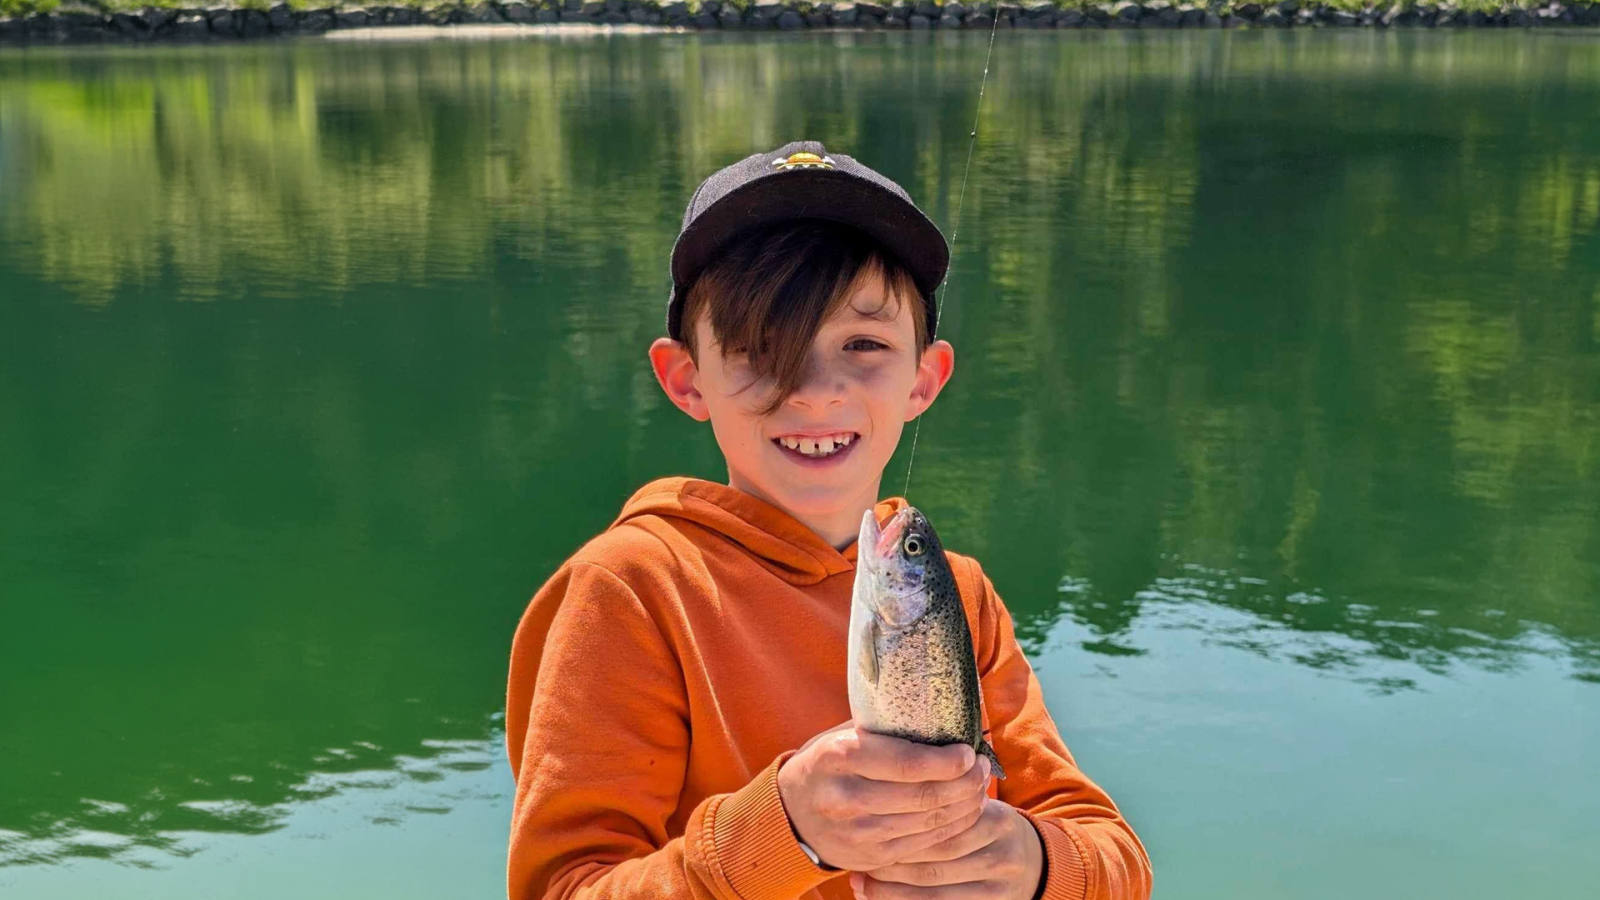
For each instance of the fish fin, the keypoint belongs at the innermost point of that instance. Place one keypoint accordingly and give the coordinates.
(869, 653)
(995, 768)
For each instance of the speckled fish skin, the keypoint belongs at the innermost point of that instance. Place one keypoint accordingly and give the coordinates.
(912, 672)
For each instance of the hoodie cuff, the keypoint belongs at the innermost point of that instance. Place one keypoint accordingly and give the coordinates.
(1064, 876)
(756, 846)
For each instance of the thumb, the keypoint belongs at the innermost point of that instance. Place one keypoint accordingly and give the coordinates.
(842, 726)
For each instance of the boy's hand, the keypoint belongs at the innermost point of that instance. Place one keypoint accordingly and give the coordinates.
(999, 858)
(864, 801)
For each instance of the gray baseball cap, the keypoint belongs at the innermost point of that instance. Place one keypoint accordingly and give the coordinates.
(802, 180)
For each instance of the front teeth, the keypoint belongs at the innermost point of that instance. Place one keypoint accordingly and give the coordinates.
(818, 447)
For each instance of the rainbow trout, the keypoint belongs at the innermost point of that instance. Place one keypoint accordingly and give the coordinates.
(912, 671)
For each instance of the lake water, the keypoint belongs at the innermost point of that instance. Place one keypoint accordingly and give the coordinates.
(1276, 422)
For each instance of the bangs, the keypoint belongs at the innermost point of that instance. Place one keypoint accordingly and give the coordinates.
(769, 291)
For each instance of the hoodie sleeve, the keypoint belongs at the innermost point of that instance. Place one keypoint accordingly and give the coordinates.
(1091, 853)
(597, 731)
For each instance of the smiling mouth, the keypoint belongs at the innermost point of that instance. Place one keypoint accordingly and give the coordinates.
(818, 447)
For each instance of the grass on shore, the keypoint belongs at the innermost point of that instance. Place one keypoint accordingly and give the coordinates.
(29, 7)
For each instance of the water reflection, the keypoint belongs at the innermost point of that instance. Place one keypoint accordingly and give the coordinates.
(1306, 327)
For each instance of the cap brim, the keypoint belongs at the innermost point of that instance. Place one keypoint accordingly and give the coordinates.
(813, 194)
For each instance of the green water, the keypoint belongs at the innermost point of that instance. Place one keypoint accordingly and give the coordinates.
(1276, 421)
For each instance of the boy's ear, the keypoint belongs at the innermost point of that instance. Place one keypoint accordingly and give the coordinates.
(933, 372)
(675, 371)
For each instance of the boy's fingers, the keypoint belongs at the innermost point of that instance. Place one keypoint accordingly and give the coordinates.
(873, 889)
(884, 758)
(963, 844)
(962, 869)
(885, 797)
(888, 827)
(842, 726)
(902, 847)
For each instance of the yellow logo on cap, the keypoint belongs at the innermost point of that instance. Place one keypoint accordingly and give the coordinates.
(803, 160)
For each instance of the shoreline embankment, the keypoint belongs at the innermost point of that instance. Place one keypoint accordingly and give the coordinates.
(44, 22)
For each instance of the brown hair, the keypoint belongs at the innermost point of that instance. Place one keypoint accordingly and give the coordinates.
(769, 291)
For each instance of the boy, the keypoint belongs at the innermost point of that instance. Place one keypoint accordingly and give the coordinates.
(672, 685)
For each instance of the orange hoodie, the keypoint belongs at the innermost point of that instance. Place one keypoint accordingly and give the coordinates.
(666, 670)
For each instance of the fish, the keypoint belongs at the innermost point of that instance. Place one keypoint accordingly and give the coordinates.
(912, 670)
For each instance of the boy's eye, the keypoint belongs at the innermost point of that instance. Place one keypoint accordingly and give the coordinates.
(865, 344)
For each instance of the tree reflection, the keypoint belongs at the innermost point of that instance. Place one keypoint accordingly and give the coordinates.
(1302, 328)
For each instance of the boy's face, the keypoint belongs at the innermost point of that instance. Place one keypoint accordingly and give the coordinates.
(823, 451)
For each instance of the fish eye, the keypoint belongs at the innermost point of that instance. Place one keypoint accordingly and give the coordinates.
(914, 545)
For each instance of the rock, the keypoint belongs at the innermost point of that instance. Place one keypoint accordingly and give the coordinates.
(978, 20)
(614, 17)
(1288, 7)
(1128, 12)
(1211, 20)
(1344, 19)
(191, 28)
(1070, 18)
(789, 20)
(730, 18)
(843, 14)
(317, 20)
(1274, 17)
(928, 9)
(157, 19)
(706, 21)
(1165, 18)
(129, 25)
(871, 10)
(1247, 11)
(221, 22)
(1037, 11)
(675, 8)
(253, 23)
(516, 11)
(1191, 16)
(279, 17)
(956, 10)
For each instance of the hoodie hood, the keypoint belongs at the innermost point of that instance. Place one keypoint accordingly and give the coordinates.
(781, 542)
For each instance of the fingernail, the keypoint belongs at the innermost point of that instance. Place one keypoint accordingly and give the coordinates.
(985, 762)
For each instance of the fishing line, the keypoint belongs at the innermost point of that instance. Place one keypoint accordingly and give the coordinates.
(955, 230)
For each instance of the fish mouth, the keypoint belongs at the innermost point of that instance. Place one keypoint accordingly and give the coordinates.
(889, 536)
(894, 582)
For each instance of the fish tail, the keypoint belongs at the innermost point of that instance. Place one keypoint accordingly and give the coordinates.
(995, 768)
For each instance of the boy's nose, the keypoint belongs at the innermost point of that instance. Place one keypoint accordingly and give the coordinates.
(818, 388)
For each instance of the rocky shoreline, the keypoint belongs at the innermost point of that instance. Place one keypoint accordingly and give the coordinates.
(233, 23)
